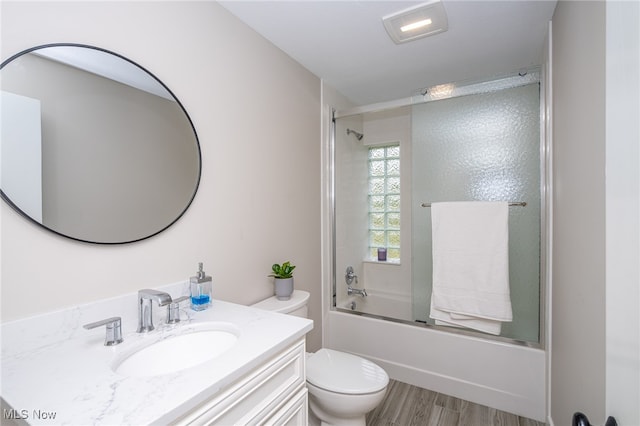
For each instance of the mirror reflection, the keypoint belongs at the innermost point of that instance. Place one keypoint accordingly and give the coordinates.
(93, 147)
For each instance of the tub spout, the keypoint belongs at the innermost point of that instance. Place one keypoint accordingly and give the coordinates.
(361, 292)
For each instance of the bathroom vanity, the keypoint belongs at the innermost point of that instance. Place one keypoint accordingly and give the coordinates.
(273, 393)
(56, 372)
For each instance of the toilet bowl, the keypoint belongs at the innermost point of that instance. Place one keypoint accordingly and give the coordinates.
(343, 387)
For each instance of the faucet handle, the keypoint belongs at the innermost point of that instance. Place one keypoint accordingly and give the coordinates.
(114, 330)
(173, 310)
(350, 276)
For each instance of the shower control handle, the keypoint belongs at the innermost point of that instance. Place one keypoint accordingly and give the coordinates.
(350, 276)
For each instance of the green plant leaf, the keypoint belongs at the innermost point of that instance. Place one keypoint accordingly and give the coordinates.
(284, 271)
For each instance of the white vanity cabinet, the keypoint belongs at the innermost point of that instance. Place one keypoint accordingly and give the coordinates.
(274, 393)
(260, 380)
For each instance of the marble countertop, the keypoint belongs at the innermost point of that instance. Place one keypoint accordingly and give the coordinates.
(56, 372)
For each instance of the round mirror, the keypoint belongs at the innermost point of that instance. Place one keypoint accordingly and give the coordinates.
(94, 147)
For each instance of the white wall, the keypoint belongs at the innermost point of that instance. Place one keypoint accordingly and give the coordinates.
(595, 328)
(578, 328)
(251, 105)
(623, 211)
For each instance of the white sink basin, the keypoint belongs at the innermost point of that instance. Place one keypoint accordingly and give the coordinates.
(178, 351)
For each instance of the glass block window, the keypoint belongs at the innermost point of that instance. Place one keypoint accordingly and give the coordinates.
(384, 200)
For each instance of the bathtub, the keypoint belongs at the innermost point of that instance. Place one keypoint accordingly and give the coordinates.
(501, 375)
(380, 303)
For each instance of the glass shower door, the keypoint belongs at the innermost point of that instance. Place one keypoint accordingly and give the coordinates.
(481, 147)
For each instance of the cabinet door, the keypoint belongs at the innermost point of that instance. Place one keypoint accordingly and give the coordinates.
(293, 413)
(255, 397)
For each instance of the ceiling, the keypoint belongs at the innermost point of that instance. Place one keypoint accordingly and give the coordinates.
(344, 42)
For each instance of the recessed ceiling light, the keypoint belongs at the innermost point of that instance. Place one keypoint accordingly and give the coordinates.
(416, 25)
(416, 22)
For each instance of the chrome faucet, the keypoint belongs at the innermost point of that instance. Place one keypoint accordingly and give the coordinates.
(361, 292)
(350, 277)
(145, 297)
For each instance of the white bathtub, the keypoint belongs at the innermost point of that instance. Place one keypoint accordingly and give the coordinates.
(379, 303)
(501, 375)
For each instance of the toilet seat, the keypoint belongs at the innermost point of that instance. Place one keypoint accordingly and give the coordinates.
(345, 373)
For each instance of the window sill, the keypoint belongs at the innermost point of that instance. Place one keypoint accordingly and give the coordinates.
(383, 262)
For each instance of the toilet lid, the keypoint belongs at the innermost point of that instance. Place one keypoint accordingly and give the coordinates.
(345, 373)
(298, 299)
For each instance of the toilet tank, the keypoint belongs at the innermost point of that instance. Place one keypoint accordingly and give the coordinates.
(296, 305)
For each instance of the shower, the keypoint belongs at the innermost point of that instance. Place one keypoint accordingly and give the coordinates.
(482, 143)
(357, 134)
(459, 149)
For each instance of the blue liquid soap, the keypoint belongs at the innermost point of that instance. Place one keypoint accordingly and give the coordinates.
(203, 299)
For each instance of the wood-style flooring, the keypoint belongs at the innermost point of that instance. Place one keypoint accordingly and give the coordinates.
(407, 405)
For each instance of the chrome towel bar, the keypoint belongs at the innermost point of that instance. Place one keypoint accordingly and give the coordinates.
(512, 204)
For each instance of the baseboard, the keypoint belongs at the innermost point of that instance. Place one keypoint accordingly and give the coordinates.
(474, 392)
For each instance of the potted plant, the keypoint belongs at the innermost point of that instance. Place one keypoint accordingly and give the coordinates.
(283, 280)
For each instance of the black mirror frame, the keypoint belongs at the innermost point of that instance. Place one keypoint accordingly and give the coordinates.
(197, 140)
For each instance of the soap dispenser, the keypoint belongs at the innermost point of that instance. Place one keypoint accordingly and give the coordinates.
(200, 286)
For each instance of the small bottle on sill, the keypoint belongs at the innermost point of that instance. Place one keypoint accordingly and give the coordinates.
(382, 254)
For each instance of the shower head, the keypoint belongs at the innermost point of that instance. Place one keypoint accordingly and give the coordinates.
(358, 134)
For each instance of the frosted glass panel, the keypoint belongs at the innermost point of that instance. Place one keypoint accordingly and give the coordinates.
(481, 147)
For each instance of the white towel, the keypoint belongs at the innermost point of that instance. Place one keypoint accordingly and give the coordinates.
(471, 265)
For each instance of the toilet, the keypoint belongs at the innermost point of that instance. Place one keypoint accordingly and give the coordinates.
(343, 387)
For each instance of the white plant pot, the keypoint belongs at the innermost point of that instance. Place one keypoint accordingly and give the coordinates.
(283, 287)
